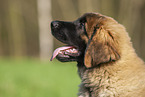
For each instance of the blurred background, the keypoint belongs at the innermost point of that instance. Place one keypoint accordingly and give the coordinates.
(26, 43)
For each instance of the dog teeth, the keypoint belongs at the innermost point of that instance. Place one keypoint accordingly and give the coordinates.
(74, 50)
(60, 52)
(67, 50)
(71, 50)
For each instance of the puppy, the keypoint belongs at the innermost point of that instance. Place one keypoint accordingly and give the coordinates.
(107, 63)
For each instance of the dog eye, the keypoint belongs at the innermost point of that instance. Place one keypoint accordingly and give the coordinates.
(82, 24)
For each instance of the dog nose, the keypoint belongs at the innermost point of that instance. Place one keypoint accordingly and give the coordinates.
(54, 24)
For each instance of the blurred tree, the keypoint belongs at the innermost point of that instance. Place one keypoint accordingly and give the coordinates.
(25, 24)
(131, 14)
(83, 9)
(68, 9)
(45, 38)
(18, 28)
(16, 35)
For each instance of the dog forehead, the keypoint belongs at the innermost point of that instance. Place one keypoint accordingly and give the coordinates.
(93, 20)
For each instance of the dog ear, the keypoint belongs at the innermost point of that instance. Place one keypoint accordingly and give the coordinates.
(102, 47)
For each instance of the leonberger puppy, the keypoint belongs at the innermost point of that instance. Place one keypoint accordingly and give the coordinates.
(107, 63)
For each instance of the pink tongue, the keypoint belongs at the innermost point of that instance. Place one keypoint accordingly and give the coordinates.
(55, 53)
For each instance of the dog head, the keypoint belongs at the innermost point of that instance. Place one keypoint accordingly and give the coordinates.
(92, 38)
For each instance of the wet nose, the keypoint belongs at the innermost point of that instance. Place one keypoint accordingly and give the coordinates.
(54, 24)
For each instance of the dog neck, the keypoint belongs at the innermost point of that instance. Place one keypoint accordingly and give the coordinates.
(98, 79)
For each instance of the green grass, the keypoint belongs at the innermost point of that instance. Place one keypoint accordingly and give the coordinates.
(29, 78)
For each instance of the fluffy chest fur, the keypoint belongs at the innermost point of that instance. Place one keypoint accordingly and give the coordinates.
(113, 80)
(98, 82)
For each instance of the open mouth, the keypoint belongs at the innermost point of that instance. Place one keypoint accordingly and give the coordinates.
(66, 52)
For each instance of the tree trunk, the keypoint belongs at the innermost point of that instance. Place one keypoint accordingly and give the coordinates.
(44, 19)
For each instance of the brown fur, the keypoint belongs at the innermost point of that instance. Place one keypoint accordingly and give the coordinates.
(113, 68)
